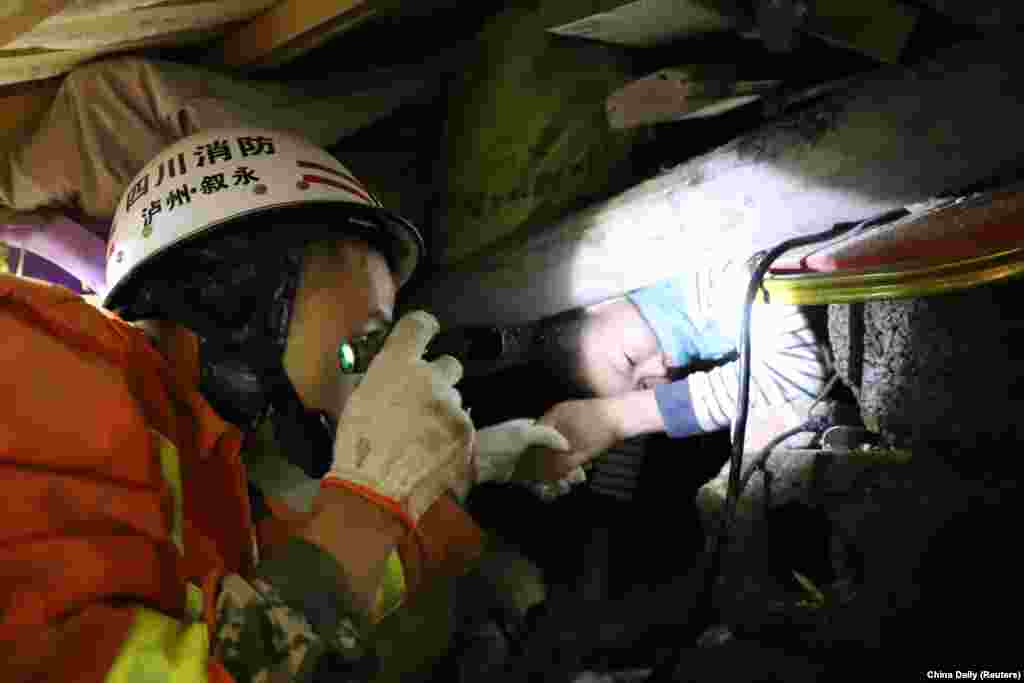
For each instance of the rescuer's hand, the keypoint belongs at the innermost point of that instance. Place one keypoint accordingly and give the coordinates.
(403, 438)
(591, 428)
(499, 447)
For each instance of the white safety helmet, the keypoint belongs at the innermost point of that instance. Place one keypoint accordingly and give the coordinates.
(208, 181)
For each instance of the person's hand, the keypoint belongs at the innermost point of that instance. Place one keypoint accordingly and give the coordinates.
(499, 447)
(403, 438)
(550, 490)
(591, 429)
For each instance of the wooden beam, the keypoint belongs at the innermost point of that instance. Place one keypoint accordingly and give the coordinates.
(678, 93)
(314, 38)
(101, 30)
(290, 20)
(899, 138)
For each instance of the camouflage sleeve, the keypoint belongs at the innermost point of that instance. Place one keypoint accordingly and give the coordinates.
(292, 622)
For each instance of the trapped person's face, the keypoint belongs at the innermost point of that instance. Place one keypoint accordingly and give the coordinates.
(619, 351)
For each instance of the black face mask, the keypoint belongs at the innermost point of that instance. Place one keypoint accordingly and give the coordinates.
(246, 377)
(238, 300)
(250, 306)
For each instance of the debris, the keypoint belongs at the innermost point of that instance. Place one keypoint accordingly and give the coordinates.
(645, 23)
(680, 93)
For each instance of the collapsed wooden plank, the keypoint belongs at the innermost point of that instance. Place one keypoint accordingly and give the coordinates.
(53, 44)
(101, 30)
(898, 138)
(684, 92)
(877, 28)
(645, 23)
(256, 41)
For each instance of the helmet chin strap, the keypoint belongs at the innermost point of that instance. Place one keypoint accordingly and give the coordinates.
(305, 436)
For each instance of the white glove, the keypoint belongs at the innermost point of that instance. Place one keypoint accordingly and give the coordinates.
(498, 448)
(403, 434)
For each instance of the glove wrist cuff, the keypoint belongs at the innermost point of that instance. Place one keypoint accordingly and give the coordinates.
(368, 494)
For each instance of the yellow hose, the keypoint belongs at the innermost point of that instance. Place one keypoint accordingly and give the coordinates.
(895, 283)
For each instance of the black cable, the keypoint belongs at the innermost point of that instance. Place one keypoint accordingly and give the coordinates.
(717, 541)
(762, 457)
(743, 403)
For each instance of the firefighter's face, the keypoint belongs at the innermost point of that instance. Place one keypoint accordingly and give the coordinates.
(619, 351)
(347, 292)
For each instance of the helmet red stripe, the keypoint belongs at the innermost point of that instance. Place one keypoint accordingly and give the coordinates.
(340, 184)
(327, 169)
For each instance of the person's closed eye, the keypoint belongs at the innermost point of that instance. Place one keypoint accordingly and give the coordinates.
(649, 372)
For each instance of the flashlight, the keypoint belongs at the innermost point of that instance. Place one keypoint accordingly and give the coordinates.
(479, 346)
(355, 355)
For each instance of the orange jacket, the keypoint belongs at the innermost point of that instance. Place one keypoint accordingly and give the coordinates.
(122, 487)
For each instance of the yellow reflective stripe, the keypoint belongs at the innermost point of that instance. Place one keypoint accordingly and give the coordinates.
(392, 589)
(170, 467)
(194, 602)
(160, 649)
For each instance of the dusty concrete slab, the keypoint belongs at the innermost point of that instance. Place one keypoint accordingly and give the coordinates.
(898, 137)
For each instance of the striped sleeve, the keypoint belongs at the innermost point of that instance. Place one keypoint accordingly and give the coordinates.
(696, 316)
(787, 364)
